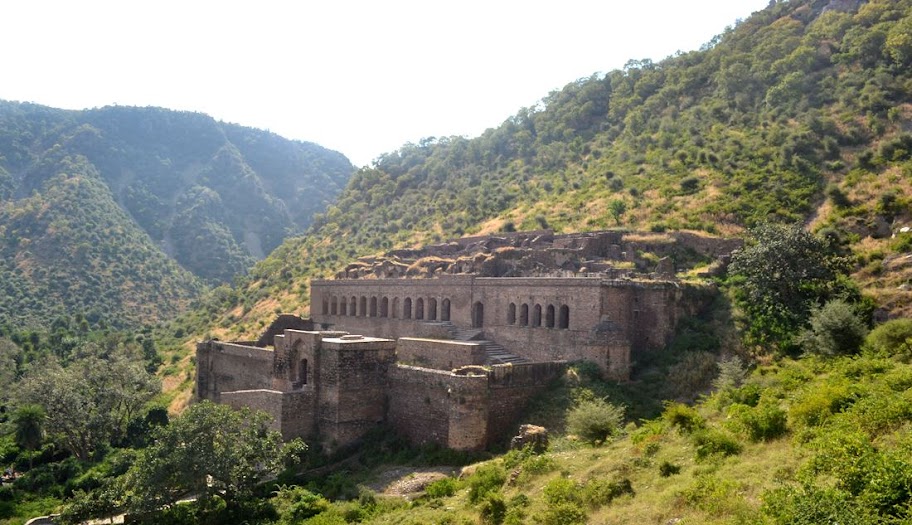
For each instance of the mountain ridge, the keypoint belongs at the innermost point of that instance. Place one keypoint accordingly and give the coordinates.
(214, 197)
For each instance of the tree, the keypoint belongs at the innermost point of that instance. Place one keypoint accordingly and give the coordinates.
(779, 277)
(835, 329)
(211, 451)
(28, 421)
(90, 402)
(617, 207)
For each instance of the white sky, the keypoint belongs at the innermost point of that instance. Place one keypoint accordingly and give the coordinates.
(360, 77)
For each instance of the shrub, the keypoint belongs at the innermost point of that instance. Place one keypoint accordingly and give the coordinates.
(710, 493)
(731, 374)
(599, 492)
(693, 373)
(297, 503)
(564, 514)
(595, 420)
(684, 417)
(667, 469)
(561, 490)
(487, 478)
(493, 509)
(761, 423)
(817, 405)
(714, 443)
(891, 338)
(836, 329)
(445, 487)
(811, 505)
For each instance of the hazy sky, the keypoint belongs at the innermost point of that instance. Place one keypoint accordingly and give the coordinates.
(360, 77)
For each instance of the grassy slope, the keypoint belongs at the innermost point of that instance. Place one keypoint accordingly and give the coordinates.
(846, 417)
(752, 128)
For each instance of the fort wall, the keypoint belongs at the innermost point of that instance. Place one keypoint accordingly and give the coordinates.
(442, 355)
(223, 367)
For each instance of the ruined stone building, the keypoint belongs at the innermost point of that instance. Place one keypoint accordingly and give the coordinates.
(457, 337)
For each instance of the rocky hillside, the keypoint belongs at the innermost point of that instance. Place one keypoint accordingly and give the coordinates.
(801, 113)
(123, 213)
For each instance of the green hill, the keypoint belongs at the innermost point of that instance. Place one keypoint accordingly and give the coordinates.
(800, 113)
(123, 213)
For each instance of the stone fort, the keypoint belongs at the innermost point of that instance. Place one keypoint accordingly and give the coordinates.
(447, 344)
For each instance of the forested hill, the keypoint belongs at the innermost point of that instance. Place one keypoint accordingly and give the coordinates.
(122, 214)
(799, 113)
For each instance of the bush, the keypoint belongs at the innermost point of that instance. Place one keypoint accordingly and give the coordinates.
(441, 488)
(811, 505)
(595, 420)
(761, 423)
(836, 329)
(667, 469)
(564, 514)
(486, 478)
(599, 492)
(731, 374)
(493, 509)
(714, 443)
(817, 405)
(684, 417)
(891, 338)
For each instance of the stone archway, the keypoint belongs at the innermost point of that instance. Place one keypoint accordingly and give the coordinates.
(478, 314)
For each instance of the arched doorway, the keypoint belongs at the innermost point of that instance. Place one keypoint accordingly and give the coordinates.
(477, 315)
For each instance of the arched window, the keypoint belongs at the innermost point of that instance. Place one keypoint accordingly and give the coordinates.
(384, 307)
(407, 308)
(445, 310)
(536, 316)
(302, 379)
(373, 310)
(325, 306)
(362, 308)
(353, 307)
(549, 316)
(432, 309)
(343, 306)
(395, 308)
(563, 317)
(511, 314)
(419, 308)
(524, 315)
(334, 305)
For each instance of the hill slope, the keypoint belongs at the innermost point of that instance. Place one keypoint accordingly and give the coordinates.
(93, 203)
(802, 97)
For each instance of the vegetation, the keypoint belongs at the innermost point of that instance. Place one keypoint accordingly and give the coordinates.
(119, 213)
(749, 130)
(799, 115)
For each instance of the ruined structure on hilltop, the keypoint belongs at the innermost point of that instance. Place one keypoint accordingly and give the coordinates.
(462, 334)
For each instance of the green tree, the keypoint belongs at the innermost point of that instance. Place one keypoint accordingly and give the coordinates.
(28, 421)
(835, 329)
(617, 207)
(211, 451)
(91, 402)
(779, 277)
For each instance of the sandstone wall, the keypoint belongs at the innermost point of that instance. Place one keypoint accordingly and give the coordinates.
(442, 355)
(224, 367)
(510, 388)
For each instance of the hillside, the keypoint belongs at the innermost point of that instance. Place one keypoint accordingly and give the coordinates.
(800, 113)
(123, 214)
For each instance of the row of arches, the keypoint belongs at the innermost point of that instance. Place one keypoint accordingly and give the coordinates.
(374, 306)
(553, 318)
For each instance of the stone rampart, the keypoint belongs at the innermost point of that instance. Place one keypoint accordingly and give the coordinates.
(441, 355)
(223, 367)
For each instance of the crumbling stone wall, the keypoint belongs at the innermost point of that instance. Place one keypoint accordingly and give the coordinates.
(223, 367)
(464, 410)
(441, 355)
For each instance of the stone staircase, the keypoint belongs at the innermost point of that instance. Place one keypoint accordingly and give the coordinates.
(496, 354)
